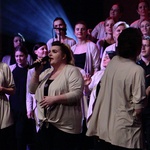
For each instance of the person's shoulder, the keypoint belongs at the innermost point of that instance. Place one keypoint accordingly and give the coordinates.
(72, 68)
(91, 43)
(73, 47)
(101, 23)
(111, 47)
(2, 64)
(12, 67)
(69, 38)
(100, 41)
(50, 41)
(134, 23)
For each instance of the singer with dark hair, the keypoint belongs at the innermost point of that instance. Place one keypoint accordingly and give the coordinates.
(60, 29)
(58, 91)
(40, 51)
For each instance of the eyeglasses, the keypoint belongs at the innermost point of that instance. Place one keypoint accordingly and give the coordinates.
(145, 26)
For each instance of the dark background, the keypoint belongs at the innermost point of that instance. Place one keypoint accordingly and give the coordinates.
(91, 11)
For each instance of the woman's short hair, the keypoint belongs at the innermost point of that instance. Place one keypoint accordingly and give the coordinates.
(120, 23)
(82, 22)
(21, 49)
(107, 19)
(37, 46)
(65, 50)
(129, 43)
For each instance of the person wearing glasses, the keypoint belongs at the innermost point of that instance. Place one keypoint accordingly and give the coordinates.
(116, 118)
(144, 62)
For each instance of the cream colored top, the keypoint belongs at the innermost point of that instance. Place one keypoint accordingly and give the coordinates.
(122, 90)
(6, 80)
(68, 117)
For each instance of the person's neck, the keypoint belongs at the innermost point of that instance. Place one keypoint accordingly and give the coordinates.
(61, 36)
(116, 19)
(81, 41)
(58, 68)
(144, 17)
(109, 38)
(22, 65)
(146, 60)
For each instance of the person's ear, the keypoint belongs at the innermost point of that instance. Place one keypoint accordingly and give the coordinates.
(64, 56)
(35, 52)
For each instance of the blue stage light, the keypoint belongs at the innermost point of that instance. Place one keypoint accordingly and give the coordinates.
(33, 18)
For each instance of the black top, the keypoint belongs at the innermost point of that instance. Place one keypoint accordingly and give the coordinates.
(46, 86)
(147, 71)
(18, 100)
(106, 44)
(80, 60)
(147, 82)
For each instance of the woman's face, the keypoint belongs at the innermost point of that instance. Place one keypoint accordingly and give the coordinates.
(21, 58)
(80, 31)
(60, 25)
(56, 56)
(106, 60)
(109, 25)
(115, 12)
(145, 27)
(117, 32)
(17, 41)
(142, 9)
(41, 51)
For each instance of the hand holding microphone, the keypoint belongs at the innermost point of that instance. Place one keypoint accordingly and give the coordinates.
(36, 64)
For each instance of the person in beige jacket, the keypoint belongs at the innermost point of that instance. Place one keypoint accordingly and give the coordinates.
(58, 91)
(7, 87)
(116, 118)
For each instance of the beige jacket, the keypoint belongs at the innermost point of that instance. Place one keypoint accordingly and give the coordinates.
(6, 80)
(122, 90)
(67, 118)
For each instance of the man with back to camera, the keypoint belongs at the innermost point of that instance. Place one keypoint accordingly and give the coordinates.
(116, 119)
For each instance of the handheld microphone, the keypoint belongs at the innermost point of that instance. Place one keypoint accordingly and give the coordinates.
(63, 29)
(46, 58)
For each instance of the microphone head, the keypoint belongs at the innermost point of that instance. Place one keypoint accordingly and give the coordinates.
(46, 58)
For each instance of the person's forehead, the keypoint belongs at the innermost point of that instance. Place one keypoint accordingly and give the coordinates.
(58, 22)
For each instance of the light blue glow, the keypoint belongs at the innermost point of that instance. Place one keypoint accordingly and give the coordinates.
(33, 18)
